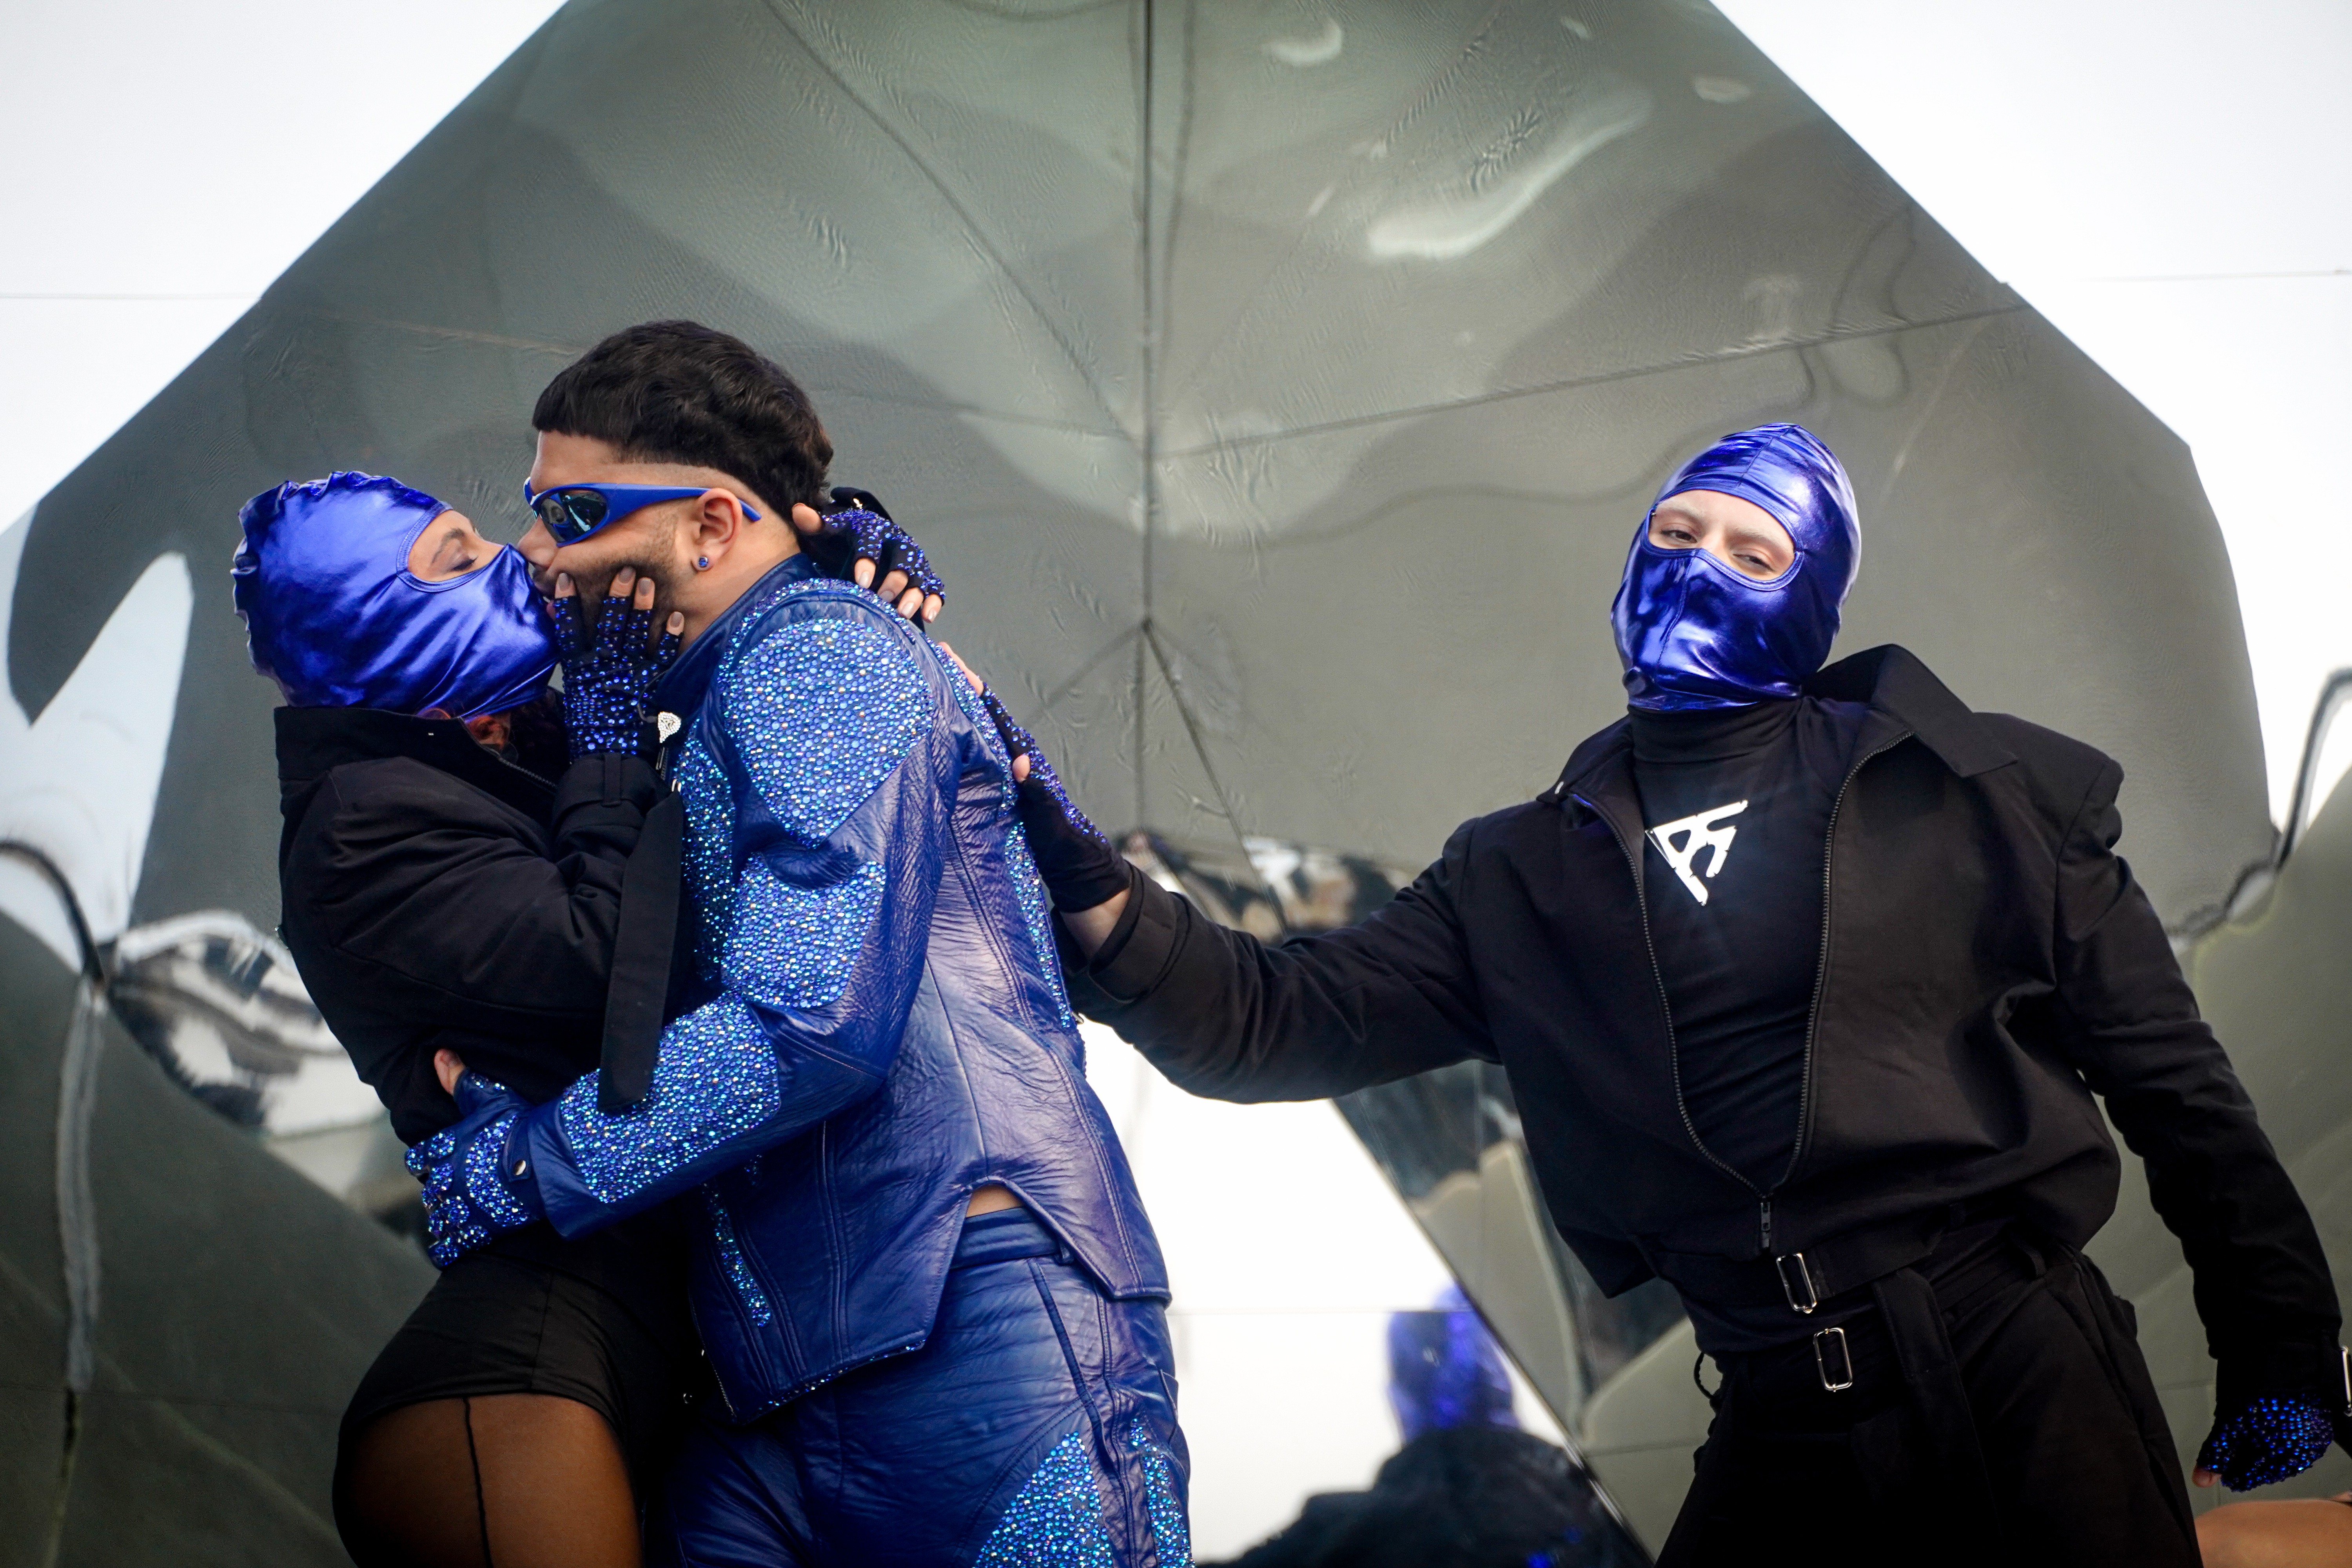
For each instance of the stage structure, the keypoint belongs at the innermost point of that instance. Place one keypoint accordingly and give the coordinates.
(1277, 386)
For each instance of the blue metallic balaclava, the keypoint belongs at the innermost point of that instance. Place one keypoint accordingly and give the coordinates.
(1695, 633)
(333, 614)
(1445, 1370)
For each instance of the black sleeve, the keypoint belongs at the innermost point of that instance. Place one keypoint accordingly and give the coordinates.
(2261, 1279)
(1230, 1017)
(462, 920)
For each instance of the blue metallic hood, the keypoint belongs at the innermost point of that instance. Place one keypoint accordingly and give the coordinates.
(1694, 632)
(335, 615)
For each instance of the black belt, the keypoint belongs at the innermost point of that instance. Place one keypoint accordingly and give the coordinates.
(1902, 1353)
(1801, 1281)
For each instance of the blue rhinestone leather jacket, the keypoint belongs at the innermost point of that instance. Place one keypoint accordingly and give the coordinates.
(881, 1023)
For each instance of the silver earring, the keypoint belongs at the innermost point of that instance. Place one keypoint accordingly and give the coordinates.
(702, 564)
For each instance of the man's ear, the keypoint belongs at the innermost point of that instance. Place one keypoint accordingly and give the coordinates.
(718, 519)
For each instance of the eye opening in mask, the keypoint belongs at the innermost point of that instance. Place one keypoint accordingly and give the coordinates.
(433, 538)
(1730, 569)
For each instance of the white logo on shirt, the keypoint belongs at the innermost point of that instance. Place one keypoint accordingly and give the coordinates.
(1696, 832)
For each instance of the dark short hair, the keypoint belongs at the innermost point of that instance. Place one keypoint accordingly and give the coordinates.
(679, 392)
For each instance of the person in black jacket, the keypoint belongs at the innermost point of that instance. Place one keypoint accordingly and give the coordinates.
(453, 862)
(1806, 980)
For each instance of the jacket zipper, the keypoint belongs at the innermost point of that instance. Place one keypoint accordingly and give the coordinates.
(1813, 1016)
(1667, 1011)
(1820, 977)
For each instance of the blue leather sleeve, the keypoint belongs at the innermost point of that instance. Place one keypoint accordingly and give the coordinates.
(817, 776)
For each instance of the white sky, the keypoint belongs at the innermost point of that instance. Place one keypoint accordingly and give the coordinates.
(163, 163)
(2167, 181)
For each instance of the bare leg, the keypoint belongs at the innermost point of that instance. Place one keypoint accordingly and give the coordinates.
(2309, 1532)
(505, 1481)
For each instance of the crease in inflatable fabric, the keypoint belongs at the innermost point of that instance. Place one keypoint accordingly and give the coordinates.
(76, 1209)
(77, 1235)
(79, 1059)
(1597, 378)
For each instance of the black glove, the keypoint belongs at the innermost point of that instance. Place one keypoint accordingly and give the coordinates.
(1080, 867)
(862, 529)
(609, 676)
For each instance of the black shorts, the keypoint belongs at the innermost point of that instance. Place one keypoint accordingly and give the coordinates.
(601, 1319)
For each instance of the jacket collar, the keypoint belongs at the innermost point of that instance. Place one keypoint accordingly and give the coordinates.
(682, 688)
(1890, 678)
(311, 741)
(1892, 681)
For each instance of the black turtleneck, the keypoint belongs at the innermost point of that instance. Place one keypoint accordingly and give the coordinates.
(1735, 902)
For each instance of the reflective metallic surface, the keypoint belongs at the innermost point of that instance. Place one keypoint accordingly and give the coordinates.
(1274, 385)
(181, 1315)
(1449, 1140)
(1320, 424)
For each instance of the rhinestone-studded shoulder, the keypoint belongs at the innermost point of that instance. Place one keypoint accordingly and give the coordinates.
(820, 708)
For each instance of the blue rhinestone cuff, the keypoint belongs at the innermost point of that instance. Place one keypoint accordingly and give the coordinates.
(714, 1080)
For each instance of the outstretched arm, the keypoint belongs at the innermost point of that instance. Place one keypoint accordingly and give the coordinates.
(812, 752)
(1226, 1015)
(2261, 1279)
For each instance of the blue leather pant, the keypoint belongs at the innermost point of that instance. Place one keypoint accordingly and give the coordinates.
(1036, 1426)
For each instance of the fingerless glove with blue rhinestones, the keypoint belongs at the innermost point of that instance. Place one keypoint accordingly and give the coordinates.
(1080, 866)
(609, 676)
(2266, 1441)
(863, 531)
(471, 1191)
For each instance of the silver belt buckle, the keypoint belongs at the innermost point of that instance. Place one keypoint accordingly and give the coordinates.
(1845, 1361)
(1789, 1287)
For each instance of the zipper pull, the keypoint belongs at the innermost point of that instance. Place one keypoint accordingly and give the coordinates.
(666, 727)
(1764, 1215)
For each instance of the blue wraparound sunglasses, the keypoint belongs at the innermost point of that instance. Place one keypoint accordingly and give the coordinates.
(572, 512)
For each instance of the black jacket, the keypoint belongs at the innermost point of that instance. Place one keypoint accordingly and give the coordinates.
(437, 895)
(1988, 965)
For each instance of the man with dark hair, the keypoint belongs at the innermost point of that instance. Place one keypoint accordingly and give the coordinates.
(684, 392)
(680, 399)
(1805, 979)
(929, 1291)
